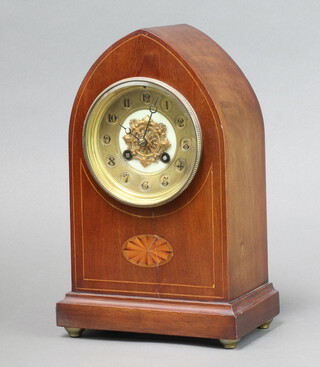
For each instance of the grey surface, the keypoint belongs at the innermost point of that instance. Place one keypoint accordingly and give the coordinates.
(46, 48)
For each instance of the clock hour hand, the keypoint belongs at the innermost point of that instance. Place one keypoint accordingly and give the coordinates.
(153, 109)
(128, 131)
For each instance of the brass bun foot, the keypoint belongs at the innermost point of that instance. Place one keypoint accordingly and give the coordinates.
(265, 325)
(229, 343)
(74, 332)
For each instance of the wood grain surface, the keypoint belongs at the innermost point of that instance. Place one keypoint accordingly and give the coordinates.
(217, 227)
(217, 320)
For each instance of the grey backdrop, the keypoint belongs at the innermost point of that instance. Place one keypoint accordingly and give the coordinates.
(46, 47)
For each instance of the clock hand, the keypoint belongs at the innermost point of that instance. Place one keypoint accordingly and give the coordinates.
(128, 131)
(153, 109)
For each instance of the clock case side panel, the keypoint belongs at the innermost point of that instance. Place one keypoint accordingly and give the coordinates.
(87, 93)
(243, 138)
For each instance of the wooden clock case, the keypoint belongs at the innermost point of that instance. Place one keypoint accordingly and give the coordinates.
(216, 284)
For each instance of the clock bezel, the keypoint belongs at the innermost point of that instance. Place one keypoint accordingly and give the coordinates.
(115, 191)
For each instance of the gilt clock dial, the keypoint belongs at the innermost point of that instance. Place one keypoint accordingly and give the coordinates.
(142, 142)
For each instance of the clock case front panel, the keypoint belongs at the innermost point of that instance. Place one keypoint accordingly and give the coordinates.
(187, 223)
(217, 227)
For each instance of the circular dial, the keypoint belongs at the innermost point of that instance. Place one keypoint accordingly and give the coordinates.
(142, 142)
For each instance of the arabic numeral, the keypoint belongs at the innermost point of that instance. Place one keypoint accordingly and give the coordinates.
(145, 185)
(166, 105)
(165, 180)
(180, 121)
(106, 139)
(146, 98)
(180, 165)
(112, 118)
(185, 144)
(111, 161)
(126, 102)
(125, 178)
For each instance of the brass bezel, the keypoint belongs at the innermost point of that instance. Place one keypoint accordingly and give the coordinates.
(95, 163)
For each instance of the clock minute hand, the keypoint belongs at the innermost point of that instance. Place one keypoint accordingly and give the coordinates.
(153, 109)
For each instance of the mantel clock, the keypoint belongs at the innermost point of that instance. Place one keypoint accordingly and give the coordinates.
(168, 195)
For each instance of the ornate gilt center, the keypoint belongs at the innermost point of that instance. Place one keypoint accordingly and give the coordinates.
(146, 148)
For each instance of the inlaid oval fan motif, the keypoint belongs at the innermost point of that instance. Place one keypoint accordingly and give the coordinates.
(147, 250)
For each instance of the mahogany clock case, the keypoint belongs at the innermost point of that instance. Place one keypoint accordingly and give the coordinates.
(216, 283)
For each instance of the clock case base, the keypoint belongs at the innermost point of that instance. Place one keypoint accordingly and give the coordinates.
(216, 320)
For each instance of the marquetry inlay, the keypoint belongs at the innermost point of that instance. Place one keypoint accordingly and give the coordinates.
(147, 250)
